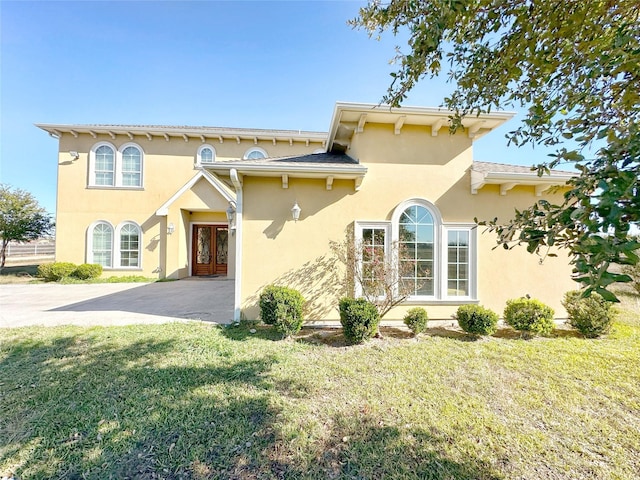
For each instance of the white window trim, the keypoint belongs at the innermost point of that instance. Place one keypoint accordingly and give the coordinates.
(254, 149)
(89, 253)
(473, 261)
(117, 167)
(359, 227)
(92, 164)
(115, 244)
(437, 244)
(199, 161)
(117, 255)
(440, 232)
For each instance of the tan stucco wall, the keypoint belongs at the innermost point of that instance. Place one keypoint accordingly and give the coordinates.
(168, 165)
(414, 164)
(277, 250)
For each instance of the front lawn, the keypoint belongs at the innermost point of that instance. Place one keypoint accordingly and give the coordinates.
(192, 401)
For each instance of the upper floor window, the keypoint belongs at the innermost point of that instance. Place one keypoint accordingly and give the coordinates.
(255, 153)
(206, 154)
(104, 165)
(109, 167)
(131, 167)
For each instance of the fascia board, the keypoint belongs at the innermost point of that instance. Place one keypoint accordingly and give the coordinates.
(178, 131)
(215, 183)
(531, 178)
(275, 170)
(429, 111)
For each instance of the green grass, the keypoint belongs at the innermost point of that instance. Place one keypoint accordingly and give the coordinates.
(29, 274)
(193, 401)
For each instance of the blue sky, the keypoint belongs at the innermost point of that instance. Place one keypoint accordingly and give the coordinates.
(263, 64)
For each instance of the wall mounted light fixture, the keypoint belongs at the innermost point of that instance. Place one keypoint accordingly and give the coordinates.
(295, 211)
(231, 215)
(74, 154)
(171, 228)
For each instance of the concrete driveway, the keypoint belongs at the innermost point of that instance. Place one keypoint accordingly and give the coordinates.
(209, 299)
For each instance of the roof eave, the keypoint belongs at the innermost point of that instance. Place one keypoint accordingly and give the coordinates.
(189, 132)
(475, 124)
(509, 180)
(349, 172)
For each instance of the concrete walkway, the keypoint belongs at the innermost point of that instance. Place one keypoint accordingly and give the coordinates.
(107, 304)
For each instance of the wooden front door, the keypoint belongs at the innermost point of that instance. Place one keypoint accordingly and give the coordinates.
(210, 246)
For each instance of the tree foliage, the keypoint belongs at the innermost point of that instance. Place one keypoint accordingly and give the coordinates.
(21, 218)
(575, 67)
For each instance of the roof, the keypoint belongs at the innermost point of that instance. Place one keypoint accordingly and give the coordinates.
(309, 159)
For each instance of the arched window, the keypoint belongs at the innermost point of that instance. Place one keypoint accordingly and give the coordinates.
(109, 167)
(255, 153)
(128, 252)
(100, 244)
(102, 165)
(437, 260)
(120, 250)
(417, 249)
(129, 163)
(131, 167)
(206, 154)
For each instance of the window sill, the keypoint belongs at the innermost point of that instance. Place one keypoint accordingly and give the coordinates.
(107, 187)
(446, 301)
(122, 269)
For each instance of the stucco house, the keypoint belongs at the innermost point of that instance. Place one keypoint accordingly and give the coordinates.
(174, 202)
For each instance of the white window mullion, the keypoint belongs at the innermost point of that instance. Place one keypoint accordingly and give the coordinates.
(118, 169)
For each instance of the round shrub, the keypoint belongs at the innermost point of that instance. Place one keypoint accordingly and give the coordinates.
(359, 319)
(416, 319)
(591, 316)
(44, 271)
(477, 320)
(529, 315)
(282, 307)
(52, 272)
(87, 271)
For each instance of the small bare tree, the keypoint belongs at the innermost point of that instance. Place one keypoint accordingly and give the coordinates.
(371, 273)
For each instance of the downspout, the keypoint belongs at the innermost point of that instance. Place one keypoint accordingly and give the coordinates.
(237, 298)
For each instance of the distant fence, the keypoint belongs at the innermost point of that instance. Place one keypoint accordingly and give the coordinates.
(31, 249)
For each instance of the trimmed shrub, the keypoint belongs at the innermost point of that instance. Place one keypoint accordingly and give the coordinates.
(87, 271)
(591, 316)
(44, 271)
(477, 320)
(416, 319)
(634, 272)
(53, 272)
(359, 319)
(282, 307)
(529, 315)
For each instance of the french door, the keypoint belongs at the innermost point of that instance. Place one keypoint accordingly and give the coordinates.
(209, 250)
